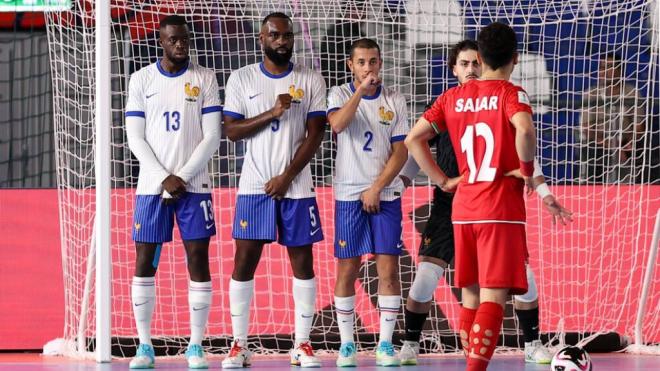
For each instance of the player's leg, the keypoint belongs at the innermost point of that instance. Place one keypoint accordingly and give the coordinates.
(254, 225)
(501, 263)
(467, 278)
(347, 272)
(194, 215)
(299, 226)
(436, 250)
(527, 311)
(386, 232)
(152, 226)
(352, 240)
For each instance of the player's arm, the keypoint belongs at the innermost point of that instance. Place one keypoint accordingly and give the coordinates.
(211, 121)
(525, 144)
(371, 197)
(277, 186)
(238, 127)
(339, 119)
(417, 142)
(137, 142)
(558, 212)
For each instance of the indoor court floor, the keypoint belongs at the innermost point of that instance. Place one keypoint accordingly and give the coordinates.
(601, 362)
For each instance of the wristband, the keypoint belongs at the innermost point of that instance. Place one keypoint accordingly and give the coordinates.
(543, 190)
(527, 168)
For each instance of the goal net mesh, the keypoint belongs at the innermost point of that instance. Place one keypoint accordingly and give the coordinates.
(591, 71)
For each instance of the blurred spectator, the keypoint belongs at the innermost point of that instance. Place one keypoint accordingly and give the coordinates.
(336, 44)
(612, 127)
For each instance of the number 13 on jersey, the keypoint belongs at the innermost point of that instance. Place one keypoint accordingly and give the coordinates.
(485, 173)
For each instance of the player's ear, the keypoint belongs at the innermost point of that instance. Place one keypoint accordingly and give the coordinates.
(515, 58)
(349, 63)
(479, 60)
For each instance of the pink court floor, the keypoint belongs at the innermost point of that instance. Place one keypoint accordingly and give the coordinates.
(601, 362)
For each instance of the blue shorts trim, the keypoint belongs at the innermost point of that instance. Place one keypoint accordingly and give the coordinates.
(153, 221)
(292, 222)
(358, 233)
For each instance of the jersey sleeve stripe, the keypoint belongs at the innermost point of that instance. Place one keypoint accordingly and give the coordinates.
(211, 109)
(397, 138)
(333, 109)
(235, 115)
(135, 114)
(316, 114)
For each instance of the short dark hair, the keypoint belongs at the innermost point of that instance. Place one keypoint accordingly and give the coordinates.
(363, 44)
(461, 46)
(497, 44)
(173, 20)
(276, 15)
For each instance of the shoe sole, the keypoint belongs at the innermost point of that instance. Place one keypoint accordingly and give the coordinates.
(409, 363)
(141, 367)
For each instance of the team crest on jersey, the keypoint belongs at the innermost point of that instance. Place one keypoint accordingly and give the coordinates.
(137, 227)
(244, 224)
(296, 94)
(427, 241)
(386, 116)
(342, 244)
(191, 92)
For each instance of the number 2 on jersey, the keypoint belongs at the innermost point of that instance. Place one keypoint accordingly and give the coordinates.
(172, 120)
(485, 173)
(370, 136)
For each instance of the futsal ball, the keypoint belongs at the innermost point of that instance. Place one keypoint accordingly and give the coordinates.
(571, 359)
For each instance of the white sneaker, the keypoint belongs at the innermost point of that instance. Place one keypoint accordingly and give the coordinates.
(144, 357)
(408, 353)
(386, 356)
(536, 352)
(239, 356)
(303, 356)
(347, 355)
(196, 358)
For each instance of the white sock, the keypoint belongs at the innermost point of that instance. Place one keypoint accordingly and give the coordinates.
(304, 299)
(389, 309)
(143, 295)
(240, 298)
(199, 302)
(345, 308)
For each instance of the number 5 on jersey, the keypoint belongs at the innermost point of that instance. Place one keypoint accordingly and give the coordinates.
(485, 173)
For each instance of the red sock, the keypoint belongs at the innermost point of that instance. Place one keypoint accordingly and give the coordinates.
(465, 320)
(484, 334)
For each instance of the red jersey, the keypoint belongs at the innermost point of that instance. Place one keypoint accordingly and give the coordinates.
(477, 116)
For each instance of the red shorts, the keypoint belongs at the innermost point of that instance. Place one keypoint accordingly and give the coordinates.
(492, 255)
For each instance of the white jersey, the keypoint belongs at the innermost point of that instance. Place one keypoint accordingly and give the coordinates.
(365, 146)
(172, 105)
(252, 90)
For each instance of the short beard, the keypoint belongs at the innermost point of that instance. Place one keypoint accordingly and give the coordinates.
(178, 61)
(277, 58)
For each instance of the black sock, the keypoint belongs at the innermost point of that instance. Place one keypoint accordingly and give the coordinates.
(414, 324)
(529, 322)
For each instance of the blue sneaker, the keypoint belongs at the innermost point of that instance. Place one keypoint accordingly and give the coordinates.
(144, 357)
(347, 355)
(195, 356)
(386, 356)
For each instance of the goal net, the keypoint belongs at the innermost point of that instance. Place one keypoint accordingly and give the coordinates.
(590, 68)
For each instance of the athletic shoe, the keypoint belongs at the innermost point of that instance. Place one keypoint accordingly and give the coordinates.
(409, 352)
(303, 356)
(239, 356)
(195, 356)
(536, 352)
(386, 356)
(347, 355)
(144, 357)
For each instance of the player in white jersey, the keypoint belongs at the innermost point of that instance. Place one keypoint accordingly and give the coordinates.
(371, 123)
(437, 248)
(278, 108)
(173, 118)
